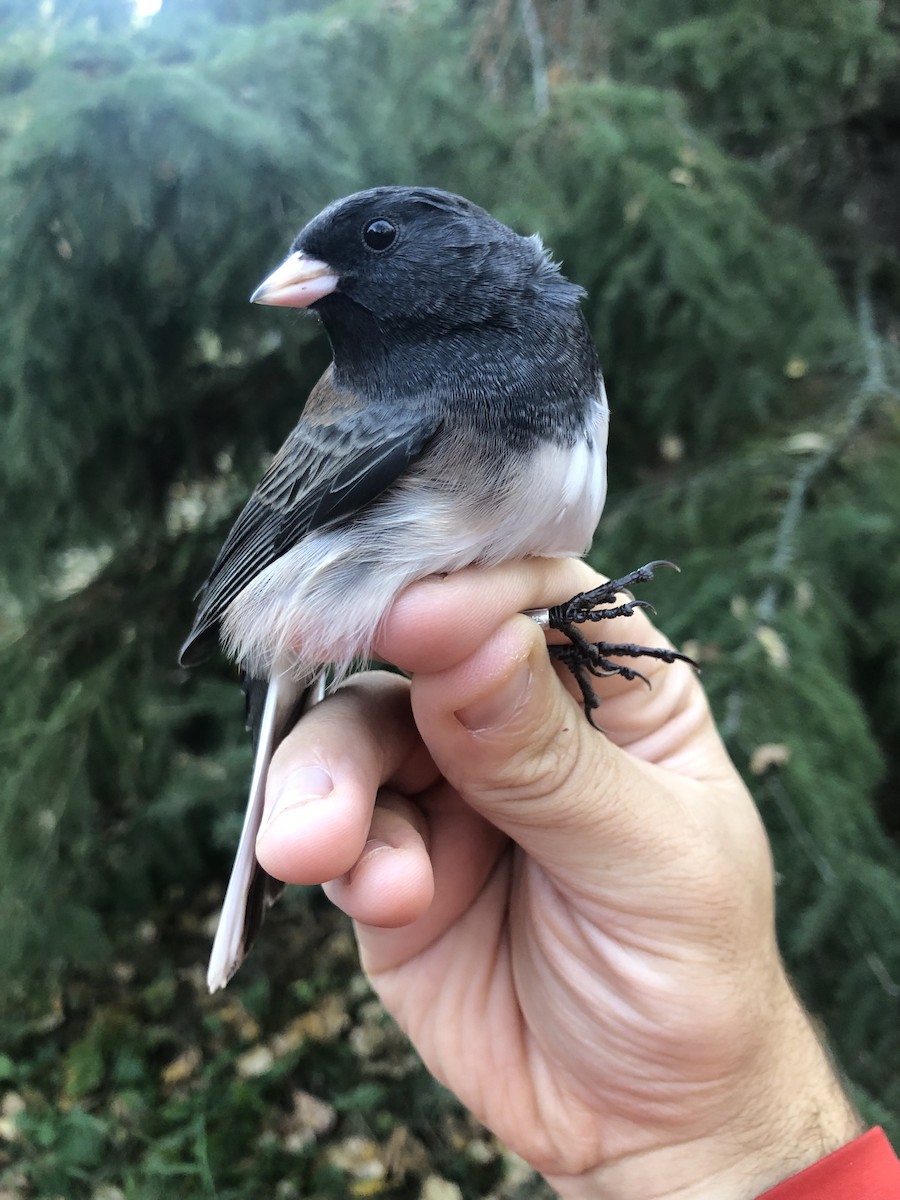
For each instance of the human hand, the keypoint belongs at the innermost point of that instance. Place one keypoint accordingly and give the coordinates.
(574, 928)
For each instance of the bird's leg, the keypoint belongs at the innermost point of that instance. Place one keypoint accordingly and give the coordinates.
(585, 658)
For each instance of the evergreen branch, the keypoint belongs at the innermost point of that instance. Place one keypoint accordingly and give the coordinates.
(873, 387)
(859, 934)
(538, 54)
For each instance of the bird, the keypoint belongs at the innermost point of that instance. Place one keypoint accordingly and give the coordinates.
(463, 420)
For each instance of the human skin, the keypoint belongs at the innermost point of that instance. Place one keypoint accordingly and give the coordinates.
(575, 928)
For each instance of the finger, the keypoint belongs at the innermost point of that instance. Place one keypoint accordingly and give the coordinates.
(442, 619)
(319, 796)
(391, 884)
(419, 873)
(383, 861)
(517, 748)
(465, 853)
(439, 621)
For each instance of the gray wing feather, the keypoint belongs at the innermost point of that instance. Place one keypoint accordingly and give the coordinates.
(322, 474)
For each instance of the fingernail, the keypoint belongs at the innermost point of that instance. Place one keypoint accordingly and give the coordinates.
(302, 784)
(500, 706)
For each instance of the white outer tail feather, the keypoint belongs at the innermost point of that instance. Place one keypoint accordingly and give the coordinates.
(228, 951)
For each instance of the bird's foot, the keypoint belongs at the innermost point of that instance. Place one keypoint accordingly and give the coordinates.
(585, 658)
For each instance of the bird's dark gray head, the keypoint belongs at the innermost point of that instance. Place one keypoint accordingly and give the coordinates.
(421, 258)
(419, 289)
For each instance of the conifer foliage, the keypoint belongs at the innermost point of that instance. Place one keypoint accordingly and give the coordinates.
(720, 178)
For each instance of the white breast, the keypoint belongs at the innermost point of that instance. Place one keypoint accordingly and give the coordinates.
(322, 601)
(564, 493)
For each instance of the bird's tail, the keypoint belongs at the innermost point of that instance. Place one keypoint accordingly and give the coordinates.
(273, 709)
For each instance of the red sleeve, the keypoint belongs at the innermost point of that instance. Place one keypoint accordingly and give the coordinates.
(866, 1169)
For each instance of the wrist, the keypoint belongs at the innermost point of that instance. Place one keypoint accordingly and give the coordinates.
(790, 1112)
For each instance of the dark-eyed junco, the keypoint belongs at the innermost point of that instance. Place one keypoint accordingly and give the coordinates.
(463, 420)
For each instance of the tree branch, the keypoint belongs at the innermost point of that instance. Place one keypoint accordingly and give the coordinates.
(873, 386)
(538, 53)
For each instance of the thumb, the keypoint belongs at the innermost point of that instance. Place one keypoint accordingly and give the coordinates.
(513, 741)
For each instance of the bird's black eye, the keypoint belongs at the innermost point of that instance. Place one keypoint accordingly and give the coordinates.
(379, 234)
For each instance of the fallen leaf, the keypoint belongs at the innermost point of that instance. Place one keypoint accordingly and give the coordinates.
(769, 754)
(436, 1188)
(368, 1187)
(10, 1109)
(146, 932)
(404, 1154)
(803, 596)
(290, 1038)
(776, 650)
(516, 1170)
(361, 1158)
(309, 1119)
(253, 1063)
(370, 1033)
(806, 443)
(182, 1067)
(232, 1012)
(325, 1022)
(482, 1151)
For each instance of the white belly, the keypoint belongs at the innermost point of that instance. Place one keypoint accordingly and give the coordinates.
(322, 601)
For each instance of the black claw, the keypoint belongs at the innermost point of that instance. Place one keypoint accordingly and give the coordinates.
(584, 607)
(572, 658)
(584, 658)
(664, 562)
(629, 673)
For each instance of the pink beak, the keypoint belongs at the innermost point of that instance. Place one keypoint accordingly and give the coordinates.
(297, 283)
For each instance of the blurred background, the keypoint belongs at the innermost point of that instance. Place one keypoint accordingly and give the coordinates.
(723, 177)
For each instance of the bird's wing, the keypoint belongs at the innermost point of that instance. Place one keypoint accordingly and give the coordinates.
(336, 461)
